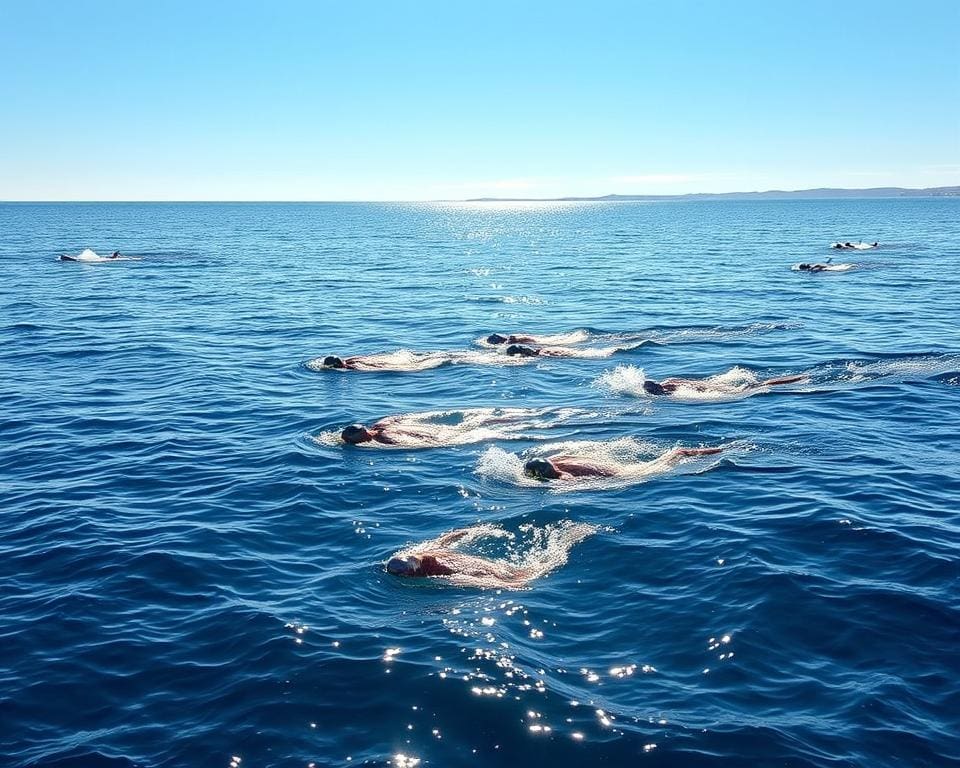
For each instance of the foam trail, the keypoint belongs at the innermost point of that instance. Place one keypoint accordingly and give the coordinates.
(694, 335)
(897, 370)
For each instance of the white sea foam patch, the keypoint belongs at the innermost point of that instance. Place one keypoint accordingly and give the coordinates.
(632, 461)
(624, 380)
(330, 437)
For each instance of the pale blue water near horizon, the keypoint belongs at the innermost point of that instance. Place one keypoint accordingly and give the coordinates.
(188, 577)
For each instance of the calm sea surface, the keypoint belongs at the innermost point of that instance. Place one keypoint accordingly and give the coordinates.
(188, 578)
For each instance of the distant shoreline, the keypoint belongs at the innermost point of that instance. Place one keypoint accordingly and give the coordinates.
(823, 193)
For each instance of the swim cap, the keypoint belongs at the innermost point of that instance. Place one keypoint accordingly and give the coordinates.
(496, 338)
(403, 566)
(355, 433)
(540, 469)
(522, 350)
(653, 388)
(332, 361)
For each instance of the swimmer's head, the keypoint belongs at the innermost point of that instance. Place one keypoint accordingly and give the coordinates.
(653, 387)
(540, 469)
(803, 267)
(408, 565)
(332, 361)
(522, 350)
(496, 338)
(356, 434)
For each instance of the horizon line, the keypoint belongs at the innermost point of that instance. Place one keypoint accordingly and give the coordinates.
(610, 197)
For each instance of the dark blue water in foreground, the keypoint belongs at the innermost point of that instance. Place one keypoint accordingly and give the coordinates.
(187, 577)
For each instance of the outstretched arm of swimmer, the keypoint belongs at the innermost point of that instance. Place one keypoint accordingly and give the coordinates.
(682, 453)
(446, 539)
(781, 380)
(675, 454)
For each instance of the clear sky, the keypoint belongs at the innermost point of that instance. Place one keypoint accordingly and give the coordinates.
(357, 100)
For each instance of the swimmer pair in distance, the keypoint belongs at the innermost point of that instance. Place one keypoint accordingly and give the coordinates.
(861, 246)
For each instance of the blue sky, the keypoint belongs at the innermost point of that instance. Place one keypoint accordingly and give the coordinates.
(424, 100)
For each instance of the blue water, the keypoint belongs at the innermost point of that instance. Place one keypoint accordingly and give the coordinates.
(186, 576)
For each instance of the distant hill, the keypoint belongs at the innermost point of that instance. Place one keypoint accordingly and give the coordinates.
(824, 193)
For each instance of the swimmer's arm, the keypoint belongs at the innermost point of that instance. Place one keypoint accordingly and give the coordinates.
(783, 380)
(382, 437)
(682, 453)
(446, 539)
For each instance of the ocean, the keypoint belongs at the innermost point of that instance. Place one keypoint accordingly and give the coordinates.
(192, 568)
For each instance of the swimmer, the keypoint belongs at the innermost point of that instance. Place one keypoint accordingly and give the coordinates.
(355, 363)
(812, 267)
(393, 361)
(568, 467)
(406, 361)
(669, 386)
(433, 429)
(440, 557)
(524, 350)
(116, 255)
(513, 338)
